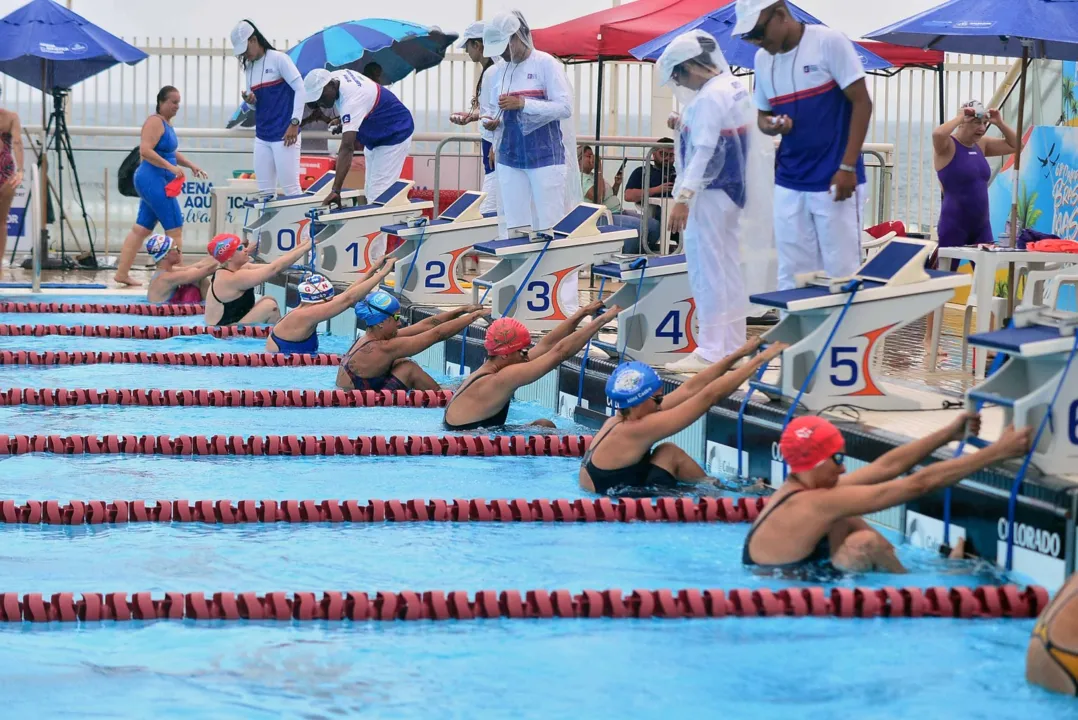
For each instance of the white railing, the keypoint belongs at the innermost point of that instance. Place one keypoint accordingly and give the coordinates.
(210, 79)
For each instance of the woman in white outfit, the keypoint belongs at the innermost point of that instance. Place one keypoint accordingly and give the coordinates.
(274, 88)
(472, 43)
(721, 179)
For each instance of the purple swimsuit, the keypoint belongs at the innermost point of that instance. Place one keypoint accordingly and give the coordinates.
(964, 218)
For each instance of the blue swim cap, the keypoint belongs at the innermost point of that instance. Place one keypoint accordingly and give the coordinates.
(377, 308)
(315, 288)
(632, 383)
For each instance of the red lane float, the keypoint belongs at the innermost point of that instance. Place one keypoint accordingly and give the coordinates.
(225, 512)
(23, 357)
(226, 398)
(136, 332)
(542, 445)
(145, 309)
(515, 605)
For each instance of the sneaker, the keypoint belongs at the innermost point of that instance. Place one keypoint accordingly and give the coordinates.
(689, 365)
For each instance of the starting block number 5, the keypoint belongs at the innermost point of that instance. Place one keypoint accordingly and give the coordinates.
(845, 371)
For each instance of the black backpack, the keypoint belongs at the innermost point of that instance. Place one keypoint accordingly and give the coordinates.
(125, 178)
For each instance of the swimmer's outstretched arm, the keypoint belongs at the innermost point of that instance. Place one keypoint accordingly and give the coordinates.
(193, 273)
(667, 422)
(717, 370)
(355, 292)
(439, 319)
(521, 374)
(852, 500)
(564, 329)
(404, 346)
(902, 458)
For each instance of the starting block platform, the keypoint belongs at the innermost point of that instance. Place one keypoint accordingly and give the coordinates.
(660, 326)
(892, 290)
(529, 280)
(350, 240)
(283, 222)
(427, 259)
(1038, 346)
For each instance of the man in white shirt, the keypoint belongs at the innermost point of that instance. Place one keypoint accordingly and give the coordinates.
(370, 115)
(810, 89)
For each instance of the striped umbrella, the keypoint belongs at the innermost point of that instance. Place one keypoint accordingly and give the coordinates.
(397, 47)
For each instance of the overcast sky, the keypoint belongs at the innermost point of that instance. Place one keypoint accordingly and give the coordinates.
(291, 19)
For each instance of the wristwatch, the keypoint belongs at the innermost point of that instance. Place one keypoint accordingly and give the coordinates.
(847, 168)
(294, 122)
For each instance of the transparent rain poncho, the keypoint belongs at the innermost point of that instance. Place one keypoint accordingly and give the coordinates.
(536, 143)
(719, 147)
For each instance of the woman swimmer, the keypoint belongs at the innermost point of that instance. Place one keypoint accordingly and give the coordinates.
(1052, 658)
(622, 454)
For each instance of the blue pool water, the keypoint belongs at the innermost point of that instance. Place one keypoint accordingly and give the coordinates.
(152, 477)
(136, 298)
(166, 377)
(189, 343)
(747, 669)
(72, 319)
(106, 419)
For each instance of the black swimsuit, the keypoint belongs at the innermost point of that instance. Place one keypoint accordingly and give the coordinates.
(642, 473)
(234, 310)
(815, 562)
(496, 420)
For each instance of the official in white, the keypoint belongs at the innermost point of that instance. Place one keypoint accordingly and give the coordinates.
(370, 115)
(274, 87)
(722, 163)
(481, 107)
(810, 89)
(535, 144)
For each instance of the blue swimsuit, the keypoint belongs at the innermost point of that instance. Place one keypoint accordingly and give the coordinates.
(300, 347)
(150, 181)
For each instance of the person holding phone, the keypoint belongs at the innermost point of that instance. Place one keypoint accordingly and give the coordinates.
(161, 167)
(472, 43)
(586, 158)
(274, 88)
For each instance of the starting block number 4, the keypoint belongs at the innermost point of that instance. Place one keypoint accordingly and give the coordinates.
(676, 328)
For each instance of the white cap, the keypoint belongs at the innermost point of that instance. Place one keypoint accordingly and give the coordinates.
(240, 35)
(314, 83)
(472, 32)
(748, 14)
(497, 33)
(684, 47)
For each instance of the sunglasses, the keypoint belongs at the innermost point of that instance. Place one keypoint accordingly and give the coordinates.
(757, 33)
(838, 458)
(524, 353)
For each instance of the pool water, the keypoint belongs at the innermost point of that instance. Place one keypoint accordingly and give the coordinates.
(188, 343)
(244, 421)
(121, 319)
(168, 377)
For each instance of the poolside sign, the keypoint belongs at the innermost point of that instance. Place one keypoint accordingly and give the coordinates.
(20, 218)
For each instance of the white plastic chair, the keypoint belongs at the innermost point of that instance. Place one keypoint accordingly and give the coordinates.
(1046, 283)
(871, 245)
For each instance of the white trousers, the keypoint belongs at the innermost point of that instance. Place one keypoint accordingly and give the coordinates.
(813, 233)
(490, 187)
(716, 274)
(276, 165)
(532, 198)
(384, 165)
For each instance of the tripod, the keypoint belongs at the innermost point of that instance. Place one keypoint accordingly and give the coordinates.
(60, 139)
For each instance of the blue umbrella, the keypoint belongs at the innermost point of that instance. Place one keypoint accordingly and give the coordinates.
(47, 46)
(395, 46)
(736, 51)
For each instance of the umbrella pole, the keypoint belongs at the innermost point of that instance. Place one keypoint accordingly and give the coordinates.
(41, 251)
(1017, 174)
(598, 200)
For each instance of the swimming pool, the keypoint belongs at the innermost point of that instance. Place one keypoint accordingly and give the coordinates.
(751, 668)
(15, 318)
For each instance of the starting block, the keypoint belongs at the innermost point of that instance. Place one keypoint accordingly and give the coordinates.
(426, 269)
(1038, 345)
(894, 290)
(283, 221)
(661, 327)
(350, 240)
(539, 275)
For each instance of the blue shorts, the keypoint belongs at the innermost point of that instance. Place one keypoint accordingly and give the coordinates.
(154, 206)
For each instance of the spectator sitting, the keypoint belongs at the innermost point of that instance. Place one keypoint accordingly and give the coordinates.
(586, 158)
(661, 178)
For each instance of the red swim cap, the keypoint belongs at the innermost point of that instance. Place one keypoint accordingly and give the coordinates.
(809, 440)
(223, 247)
(506, 336)
(174, 188)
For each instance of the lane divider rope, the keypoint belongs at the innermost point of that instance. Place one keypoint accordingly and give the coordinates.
(136, 332)
(227, 398)
(295, 445)
(173, 310)
(987, 601)
(225, 512)
(24, 357)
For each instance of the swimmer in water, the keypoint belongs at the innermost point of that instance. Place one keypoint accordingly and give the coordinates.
(1052, 658)
(814, 519)
(172, 281)
(623, 453)
(381, 358)
(482, 401)
(296, 332)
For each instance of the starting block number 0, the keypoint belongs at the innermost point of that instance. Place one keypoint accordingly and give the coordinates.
(291, 239)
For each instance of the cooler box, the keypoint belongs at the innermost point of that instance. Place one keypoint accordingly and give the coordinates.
(312, 167)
